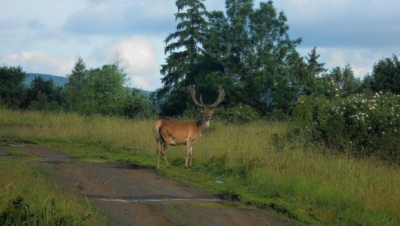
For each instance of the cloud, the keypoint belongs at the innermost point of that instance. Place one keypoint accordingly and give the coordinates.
(138, 58)
(122, 18)
(41, 62)
(36, 24)
(141, 62)
(343, 23)
(361, 60)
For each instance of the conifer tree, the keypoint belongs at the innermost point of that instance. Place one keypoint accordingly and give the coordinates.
(76, 84)
(184, 45)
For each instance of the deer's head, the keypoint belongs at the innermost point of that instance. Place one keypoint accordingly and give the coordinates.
(207, 111)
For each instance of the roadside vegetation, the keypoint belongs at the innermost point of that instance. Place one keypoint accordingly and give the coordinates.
(262, 163)
(27, 198)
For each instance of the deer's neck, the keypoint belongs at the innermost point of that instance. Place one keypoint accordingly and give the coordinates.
(203, 124)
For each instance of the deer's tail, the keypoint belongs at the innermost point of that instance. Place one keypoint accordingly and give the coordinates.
(156, 129)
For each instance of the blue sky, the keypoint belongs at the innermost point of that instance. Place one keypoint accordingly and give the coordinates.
(47, 36)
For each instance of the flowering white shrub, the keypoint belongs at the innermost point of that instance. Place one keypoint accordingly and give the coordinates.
(367, 123)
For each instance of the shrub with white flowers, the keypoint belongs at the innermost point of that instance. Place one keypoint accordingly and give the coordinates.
(367, 124)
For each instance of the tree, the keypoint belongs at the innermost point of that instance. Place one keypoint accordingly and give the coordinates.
(342, 81)
(104, 91)
(185, 50)
(247, 50)
(75, 87)
(311, 81)
(313, 66)
(137, 105)
(11, 86)
(386, 75)
(44, 95)
(254, 49)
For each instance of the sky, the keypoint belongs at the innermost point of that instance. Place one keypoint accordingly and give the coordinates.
(48, 37)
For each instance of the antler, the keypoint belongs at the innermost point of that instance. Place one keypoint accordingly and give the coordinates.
(221, 96)
(193, 94)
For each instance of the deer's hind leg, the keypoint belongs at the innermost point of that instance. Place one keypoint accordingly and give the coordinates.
(164, 153)
(158, 153)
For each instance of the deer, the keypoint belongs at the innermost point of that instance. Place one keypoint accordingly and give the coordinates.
(175, 133)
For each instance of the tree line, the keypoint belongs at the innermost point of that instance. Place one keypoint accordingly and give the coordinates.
(88, 91)
(245, 49)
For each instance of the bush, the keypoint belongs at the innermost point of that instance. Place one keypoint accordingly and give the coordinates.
(43, 104)
(238, 114)
(364, 123)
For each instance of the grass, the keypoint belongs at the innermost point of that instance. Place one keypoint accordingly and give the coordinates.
(26, 198)
(15, 151)
(261, 163)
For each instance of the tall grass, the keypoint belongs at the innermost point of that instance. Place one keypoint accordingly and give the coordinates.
(261, 162)
(111, 132)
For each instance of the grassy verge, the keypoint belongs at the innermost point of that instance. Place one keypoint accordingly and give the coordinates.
(260, 163)
(26, 198)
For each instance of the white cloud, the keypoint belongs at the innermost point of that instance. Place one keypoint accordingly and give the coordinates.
(361, 60)
(122, 18)
(138, 58)
(41, 62)
(343, 23)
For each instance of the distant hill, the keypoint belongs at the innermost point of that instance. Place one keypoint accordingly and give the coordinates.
(58, 80)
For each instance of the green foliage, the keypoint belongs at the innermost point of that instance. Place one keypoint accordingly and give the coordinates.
(247, 51)
(104, 92)
(43, 104)
(313, 66)
(386, 76)
(238, 114)
(309, 78)
(28, 199)
(11, 86)
(184, 51)
(20, 213)
(252, 47)
(343, 78)
(44, 95)
(137, 105)
(75, 87)
(366, 124)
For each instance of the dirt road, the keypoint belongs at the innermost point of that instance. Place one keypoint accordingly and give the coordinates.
(136, 196)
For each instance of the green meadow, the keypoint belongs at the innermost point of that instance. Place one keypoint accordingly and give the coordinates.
(263, 164)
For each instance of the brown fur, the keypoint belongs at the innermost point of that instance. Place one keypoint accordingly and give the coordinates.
(187, 133)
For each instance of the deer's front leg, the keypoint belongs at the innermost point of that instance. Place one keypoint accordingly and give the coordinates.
(188, 155)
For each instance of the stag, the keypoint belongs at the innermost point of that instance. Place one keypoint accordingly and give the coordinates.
(187, 133)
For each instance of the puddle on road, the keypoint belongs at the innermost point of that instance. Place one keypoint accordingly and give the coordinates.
(53, 162)
(158, 200)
